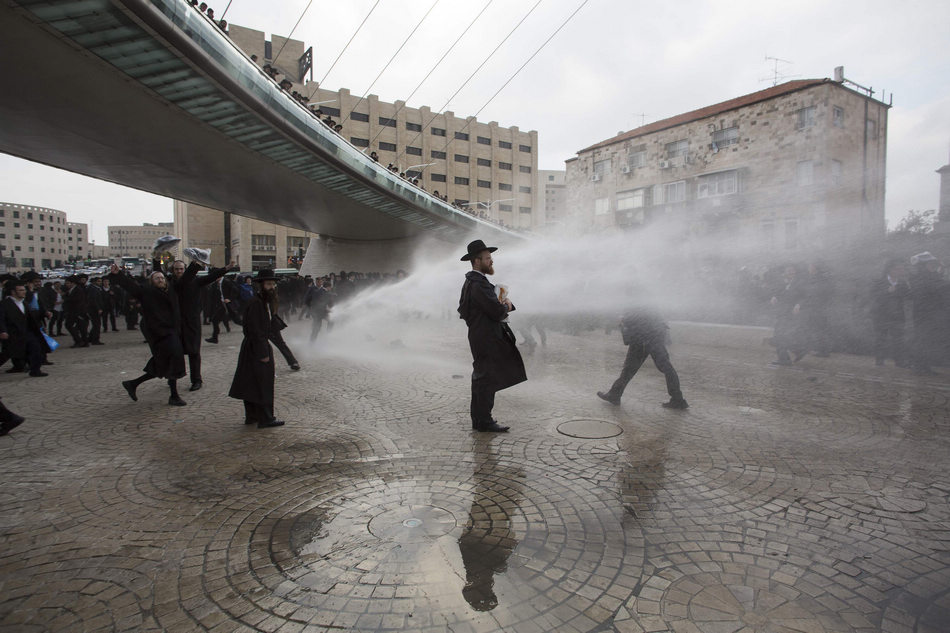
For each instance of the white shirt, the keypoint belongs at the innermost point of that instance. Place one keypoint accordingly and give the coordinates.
(19, 304)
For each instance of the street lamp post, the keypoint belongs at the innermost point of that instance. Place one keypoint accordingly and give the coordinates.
(488, 205)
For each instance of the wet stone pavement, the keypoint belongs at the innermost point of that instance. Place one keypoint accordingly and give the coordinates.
(808, 499)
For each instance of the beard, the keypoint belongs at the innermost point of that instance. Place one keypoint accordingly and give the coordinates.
(489, 270)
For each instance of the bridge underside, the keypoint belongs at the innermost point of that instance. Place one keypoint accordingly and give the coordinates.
(103, 94)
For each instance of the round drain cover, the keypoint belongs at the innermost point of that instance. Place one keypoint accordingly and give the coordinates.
(589, 429)
(412, 524)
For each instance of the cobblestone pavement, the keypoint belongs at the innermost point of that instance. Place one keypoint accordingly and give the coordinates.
(805, 499)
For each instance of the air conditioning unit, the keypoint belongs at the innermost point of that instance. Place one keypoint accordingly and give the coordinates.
(595, 178)
(625, 169)
(665, 164)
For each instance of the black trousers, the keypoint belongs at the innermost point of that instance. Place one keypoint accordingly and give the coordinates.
(77, 325)
(636, 354)
(483, 400)
(889, 341)
(288, 355)
(33, 355)
(194, 368)
(258, 412)
(56, 323)
(95, 329)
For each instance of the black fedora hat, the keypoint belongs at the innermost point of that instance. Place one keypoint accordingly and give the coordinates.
(476, 247)
(266, 274)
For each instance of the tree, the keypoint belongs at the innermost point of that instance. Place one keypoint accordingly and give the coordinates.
(916, 223)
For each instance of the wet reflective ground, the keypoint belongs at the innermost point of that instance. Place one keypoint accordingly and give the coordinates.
(805, 499)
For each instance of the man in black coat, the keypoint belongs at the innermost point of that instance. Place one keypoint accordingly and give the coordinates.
(187, 287)
(74, 307)
(888, 294)
(928, 291)
(22, 340)
(95, 306)
(497, 364)
(254, 376)
(787, 301)
(645, 333)
(161, 327)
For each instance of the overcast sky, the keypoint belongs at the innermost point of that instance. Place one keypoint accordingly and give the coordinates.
(615, 65)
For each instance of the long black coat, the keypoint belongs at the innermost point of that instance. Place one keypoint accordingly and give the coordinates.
(494, 349)
(18, 325)
(161, 326)
(188, 290)
(74, 301)
(887, 306)
(253, 380)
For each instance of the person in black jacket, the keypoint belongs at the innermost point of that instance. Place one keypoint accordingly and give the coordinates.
(50, 299)
(95, 307)
(787, 301)
(74, 309)
(888, 295)
(645, 333)
(254, 375)
(112, 300)
(928, 292)
(162, 329)
(22, 340)
(497, 363)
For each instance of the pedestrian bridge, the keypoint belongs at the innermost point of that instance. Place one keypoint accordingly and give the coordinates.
(151, 95)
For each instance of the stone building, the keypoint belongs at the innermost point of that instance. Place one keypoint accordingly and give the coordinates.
(136, 240)
(942, 225)
(551, 185)
(40, 238)
(485, 166)
(796, 167)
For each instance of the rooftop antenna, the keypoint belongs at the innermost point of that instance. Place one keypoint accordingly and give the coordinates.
(776, 75)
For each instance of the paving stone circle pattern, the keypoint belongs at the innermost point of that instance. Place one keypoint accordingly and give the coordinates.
(807, 499)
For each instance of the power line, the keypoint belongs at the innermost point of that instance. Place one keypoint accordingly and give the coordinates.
(226, 9)
(391, 60)
(465, 83)
(344, 48)
(307, 8)
(457, 40)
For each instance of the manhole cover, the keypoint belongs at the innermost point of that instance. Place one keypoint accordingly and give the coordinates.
(412, 524)
(589, 429)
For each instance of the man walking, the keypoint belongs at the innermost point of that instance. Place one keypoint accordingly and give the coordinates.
(497, 364)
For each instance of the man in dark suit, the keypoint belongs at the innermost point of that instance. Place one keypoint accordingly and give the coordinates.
(74, 307)
(95, 306)
(645, 333)
(497, 364)
(888, 295)
(22, 340)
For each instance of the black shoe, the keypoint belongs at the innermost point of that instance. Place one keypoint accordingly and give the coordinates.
(270, 423)
(130, 386)
(195, 386)
(676, 404)
(247, 421)
(175, 401)
(38, 374)
(211, 340)
(608, 398)
(494, 427)
(8, 425)
(295, 367)
(16, 370)
(47, 362)
(96, 343)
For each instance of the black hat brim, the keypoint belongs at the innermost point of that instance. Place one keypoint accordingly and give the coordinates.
(468, 256)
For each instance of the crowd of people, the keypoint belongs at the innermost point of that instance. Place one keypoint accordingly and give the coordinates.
(209, 12)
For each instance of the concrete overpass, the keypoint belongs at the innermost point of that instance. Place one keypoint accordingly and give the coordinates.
(151, 95)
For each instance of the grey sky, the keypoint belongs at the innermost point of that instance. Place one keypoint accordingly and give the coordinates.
(615, 61)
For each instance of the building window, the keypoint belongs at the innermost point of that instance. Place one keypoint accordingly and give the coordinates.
(16, 214)
(462, 136)
(437, 131)
(483, 162)
(524, 169)
(29, 216)
(461, 181)
(726, 137)
(524, 189)
(504, 144)
(483, 140)
(524, 148)
(722, 183)
(359, 142)
(677, 148)
(437, 154)
(412, 174)
(387, 121)
(437, 177)
(633, 199)
(601, 206)
(359, 116)
(791, 233)
(505, 166)
(16, 225)
(837, 116)
(413, 127)
(387, 147)
(835, 172)
(675, 191)
(414, 151)
(461, 158)
(504, 187)
(524, 209)
(805, 173)
(550, 178)
(602, 167)
(484, 184)
(330, 111)
(871, 128)
(637, 159)
(806, 117)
